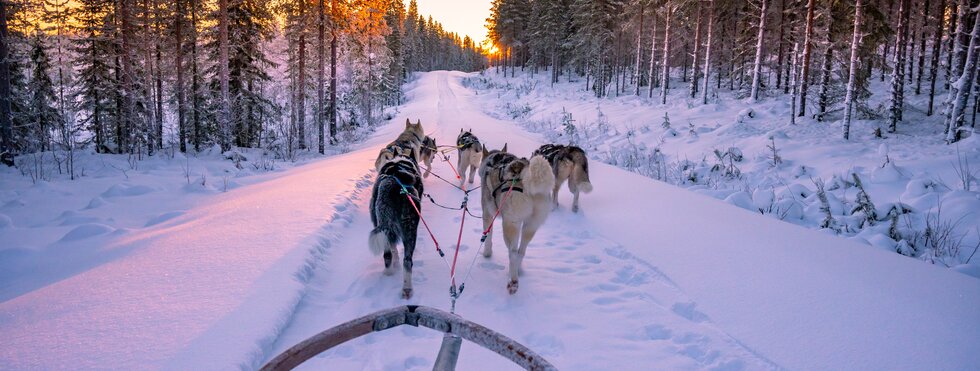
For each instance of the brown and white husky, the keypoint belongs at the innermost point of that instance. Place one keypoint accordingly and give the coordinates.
(568, 163)
(522, 211)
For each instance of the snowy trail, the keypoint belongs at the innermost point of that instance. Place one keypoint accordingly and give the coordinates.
(577, 286)
(176, 295)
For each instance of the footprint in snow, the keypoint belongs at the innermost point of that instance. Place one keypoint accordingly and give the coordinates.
(491, 266)
(630, 276)
(656, 332)
(688, 310)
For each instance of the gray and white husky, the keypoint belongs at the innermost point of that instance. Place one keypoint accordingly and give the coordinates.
(568, 163)
(410, 138)
(392, 213)
(470, 153)
(530, 183)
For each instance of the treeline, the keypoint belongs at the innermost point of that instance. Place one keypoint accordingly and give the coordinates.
(137, 76)
(823, 54)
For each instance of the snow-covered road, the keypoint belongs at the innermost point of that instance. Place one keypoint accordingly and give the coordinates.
(648, 276)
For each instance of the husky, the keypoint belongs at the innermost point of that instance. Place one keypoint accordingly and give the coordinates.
(470, 153)
(393, 215)
(410, 138)
(568, 163)
(426, 154)
(521, 190)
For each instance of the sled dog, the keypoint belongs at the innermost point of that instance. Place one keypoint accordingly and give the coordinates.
(568, 163)
(393, 216)
(426, 153)
(410, 138)
(529, 184)
(470, 153)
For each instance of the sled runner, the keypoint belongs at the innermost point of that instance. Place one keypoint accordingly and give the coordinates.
(453, 326)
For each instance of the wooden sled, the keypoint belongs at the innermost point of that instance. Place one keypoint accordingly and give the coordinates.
(455, 328)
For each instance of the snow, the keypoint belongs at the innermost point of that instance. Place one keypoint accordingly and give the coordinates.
(169, 271)
(725, 147)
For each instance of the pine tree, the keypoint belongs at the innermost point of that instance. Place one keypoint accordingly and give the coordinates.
(6, 123)
(93, 49)
(44, 115)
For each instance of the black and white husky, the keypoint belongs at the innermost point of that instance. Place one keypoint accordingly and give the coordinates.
(529, 184)
(470, 153)
(392, 213)
(568, 163)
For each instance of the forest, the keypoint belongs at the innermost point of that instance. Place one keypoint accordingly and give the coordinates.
(821, 54)
(141, 76)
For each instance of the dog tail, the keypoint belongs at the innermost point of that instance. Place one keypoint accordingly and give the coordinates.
(582, 171)
(378, 241)
(538, 178)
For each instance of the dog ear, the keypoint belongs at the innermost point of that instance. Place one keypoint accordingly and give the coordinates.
(461, 130)
(408, 123)
(505, 148)
(485, 152)
(418, 122)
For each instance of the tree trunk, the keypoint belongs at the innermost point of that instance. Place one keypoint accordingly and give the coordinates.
(665, 72)
(707, 51)
(951, 41)
(148, 73)
(794, 72)
(779, 44)
(922, 47)
(333, 72)
(639, 52)
(224, 116)
(852, 71)
(179, 66)
(694, 63)
(964, 86)
(195, 81)
(826, 71)
(936, 49)
(898, 72)
(158, 73)
(807, 40)
(757, 67)
(653, 56)
(320, 62)
(300, 103)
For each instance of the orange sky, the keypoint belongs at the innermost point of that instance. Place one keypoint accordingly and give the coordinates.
(466, 17)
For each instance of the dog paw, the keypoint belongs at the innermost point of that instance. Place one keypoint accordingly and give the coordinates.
(487, 253)
(407, 293)
(512, 287)
(575, 209)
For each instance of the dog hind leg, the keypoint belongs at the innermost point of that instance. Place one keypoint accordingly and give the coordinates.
(409, 243)
(511, 236)
(487, 226)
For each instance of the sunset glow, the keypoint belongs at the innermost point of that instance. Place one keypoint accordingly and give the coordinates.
(465, 17)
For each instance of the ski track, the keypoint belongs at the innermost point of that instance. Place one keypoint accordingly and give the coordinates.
(571, 275)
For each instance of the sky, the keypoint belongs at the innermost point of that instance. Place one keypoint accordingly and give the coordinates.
(466, 17)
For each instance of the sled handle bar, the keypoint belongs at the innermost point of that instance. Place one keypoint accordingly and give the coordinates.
(413, 315)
